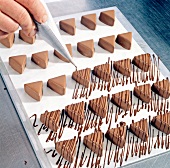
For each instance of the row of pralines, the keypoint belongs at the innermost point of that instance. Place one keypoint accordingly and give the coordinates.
(123, 100)
(89, 21)
(104, 71)
(117, 135)
(35, 89)
(58, 84)
(9, 40)
(68, 25)
(86, 48)
(18, 63)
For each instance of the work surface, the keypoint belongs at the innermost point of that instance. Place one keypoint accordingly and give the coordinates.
(151, 20)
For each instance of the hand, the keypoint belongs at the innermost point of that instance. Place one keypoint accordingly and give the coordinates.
(15, 13)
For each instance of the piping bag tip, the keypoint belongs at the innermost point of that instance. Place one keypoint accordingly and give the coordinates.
(73, 64)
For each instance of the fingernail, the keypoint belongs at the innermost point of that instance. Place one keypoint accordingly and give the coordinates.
(33, 32)
(45, 17)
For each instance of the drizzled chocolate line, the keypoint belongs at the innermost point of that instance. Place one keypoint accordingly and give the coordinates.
(48, 151)
(122, 156)
(157, 141)
(88, 117)
(110, 118)
(140, 148)
(35, 119)
(97, 163)
(92, 160)
(132, 148)
(42, 127)
(74, 90)
(105, 154)
(82, 92)
(54, 154)
(91, 89)
(162, 142)
(82, 160)
(127, 151)
(58, 161)
(142, 145)
(62, 124)
(131, 111)
(152, 140)
(78, 149)
(136, 149)
(86, 111)
(108, 113)
(71, 123)
(52, 138)
(88, 162)
(116, 114)
(149, 133)
(135, 77)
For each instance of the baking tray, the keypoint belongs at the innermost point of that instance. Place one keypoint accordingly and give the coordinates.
(18, 104)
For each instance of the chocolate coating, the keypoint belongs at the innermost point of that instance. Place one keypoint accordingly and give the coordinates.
(122, 100)
(94, 142)
(8, 41)
(162, 88)
(125, 40)
(41, 59)
(103, 72)
(140, 129)
(67, 149)
(18, 63)
(76, 112)
(34, 89)
(82, 77)
(89, 21)
(142, 61)
(99, 106)
(107, 43)
(107, 17)
(51, 119)
(162, 122)
(86, 48)
(68, 25)
(58, 84)
(117, 135)
(123, 67)
(143, 92)
(26, 38)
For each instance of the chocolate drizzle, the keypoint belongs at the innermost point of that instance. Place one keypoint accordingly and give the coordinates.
(35, 119)
(136, 146)
(75, 163)
(82, 160)
(52, 136)
(42, 127)
(54, 154)
(62, 124)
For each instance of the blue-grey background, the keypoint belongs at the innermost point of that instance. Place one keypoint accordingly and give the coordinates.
(151, 18)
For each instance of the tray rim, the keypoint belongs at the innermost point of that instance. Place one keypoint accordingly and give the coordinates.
(25, 120)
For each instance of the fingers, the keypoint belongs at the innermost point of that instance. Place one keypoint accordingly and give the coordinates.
(36, 8)
(3, 35)
(15, 13)
(7, 24)
(19, 14)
